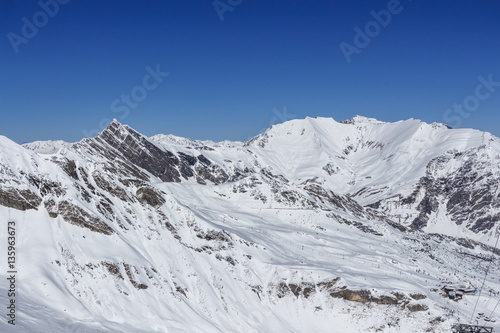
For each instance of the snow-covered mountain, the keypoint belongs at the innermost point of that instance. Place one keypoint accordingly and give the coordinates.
(46, 147)
(313, 225)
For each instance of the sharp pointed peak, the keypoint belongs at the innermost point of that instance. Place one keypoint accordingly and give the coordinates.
(115, 121)
(116, 128)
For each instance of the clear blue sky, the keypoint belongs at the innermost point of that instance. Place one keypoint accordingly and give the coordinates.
(227, 76)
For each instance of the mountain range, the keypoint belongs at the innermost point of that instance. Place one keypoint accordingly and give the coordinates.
(312, 225)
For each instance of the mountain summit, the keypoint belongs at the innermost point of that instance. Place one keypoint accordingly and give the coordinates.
(359, 224)
(357, 120)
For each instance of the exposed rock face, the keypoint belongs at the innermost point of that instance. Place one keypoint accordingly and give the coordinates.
(341, 202)
(417, 307)
(19, 199)
(120, 142)
(123, 143)
(363, 296)
(77, 216)
(149, 196)
(465, 194)
(70, 168)
(130, 275)
(110, 186)
(113, 269)
(331, 288)
(302, 289)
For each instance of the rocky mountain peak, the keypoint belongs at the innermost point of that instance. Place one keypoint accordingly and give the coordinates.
(118, 130)
(311, 217)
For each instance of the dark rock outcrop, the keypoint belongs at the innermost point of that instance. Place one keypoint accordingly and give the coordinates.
(77, 216)
(149, 196)
(19, 199)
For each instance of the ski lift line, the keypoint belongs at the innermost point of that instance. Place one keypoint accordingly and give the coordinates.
(492, 254)
(484, 280)
(494, 309)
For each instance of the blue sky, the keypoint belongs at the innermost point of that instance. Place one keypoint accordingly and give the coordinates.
(236, 69)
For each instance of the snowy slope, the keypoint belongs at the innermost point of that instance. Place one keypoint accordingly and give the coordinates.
(297, 230)
(46, 147)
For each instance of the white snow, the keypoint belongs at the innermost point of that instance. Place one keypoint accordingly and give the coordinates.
(64, 287)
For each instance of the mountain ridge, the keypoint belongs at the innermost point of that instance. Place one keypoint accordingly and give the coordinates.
(313, 221)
